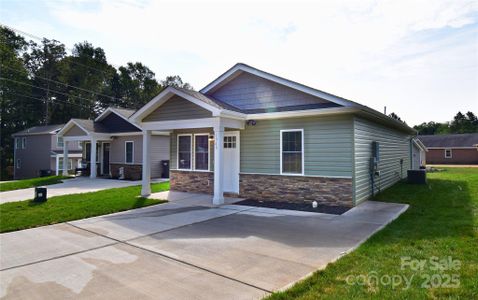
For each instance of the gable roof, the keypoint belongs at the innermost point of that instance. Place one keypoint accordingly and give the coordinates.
(37, 130)
(450, 140)
(122, 112)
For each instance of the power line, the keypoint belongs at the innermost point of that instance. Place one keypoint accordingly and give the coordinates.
(55, 91)
(65, 84)
(43, 100)
(67, 48)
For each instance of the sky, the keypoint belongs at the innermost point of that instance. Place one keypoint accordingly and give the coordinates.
(417, 58)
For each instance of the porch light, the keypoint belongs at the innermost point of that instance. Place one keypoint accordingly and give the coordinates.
(211, 138)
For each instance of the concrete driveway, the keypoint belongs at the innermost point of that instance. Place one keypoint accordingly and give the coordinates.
(182, 249)
(69, 186)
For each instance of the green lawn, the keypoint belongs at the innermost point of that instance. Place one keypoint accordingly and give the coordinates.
(28, 183)
(442, 222)
(27, 214)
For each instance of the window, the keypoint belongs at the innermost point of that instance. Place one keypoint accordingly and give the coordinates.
(129, 152)
(292, 151)
(19, 162)
(201, 152)
(17, 143)
(60, 163)
(59, 142)
(229, 142)
(184, 151)
(448, 153)
(88, 152)
(24, 142)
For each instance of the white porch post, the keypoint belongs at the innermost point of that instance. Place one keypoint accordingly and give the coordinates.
(146, 176)
(65, 159)
(93, 158)
(218, 163)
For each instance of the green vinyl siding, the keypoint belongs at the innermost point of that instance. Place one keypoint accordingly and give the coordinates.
(394, 145)
(327, 145)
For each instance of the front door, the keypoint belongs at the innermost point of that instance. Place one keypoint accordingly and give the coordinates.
(106, 158)
(231, 161)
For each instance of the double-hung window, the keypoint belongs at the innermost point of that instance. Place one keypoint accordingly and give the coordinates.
(201, 152)
(59, 142)
(24, 142)
(448, 153)
(17, 143)
(129, 152)
(292, 151)
(184, 151)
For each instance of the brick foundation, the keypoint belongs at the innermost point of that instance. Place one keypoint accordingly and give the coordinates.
(131, 172)
(328, 191)
(191, 181)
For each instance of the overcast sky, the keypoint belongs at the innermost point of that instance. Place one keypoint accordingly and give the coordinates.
(418, 58)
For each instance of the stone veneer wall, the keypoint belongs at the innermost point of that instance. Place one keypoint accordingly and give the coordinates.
(191, 181)
(328, 191)
(131, 172)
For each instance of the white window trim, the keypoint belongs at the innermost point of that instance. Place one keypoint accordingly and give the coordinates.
(17, 143)
(58, 142)
(24, 142)
(194, 154)
(19, 162)
(451, 153)
(126, 155)
(303, 152)
(191, 151)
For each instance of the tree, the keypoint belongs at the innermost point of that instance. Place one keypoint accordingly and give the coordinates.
(175, 81)
(467, 123)
(395, 117)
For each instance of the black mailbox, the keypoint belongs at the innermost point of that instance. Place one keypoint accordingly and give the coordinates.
(40, 194)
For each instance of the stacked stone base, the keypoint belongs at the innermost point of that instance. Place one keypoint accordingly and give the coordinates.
(131, 172)
(297, 189)
(191, 181)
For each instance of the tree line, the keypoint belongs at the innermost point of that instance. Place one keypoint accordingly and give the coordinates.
(41, 83)
(461, 123)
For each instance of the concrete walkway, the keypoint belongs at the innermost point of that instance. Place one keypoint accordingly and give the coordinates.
(69, 186)
(182, 249)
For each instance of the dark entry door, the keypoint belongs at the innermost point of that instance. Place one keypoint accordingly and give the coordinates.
(106, 158)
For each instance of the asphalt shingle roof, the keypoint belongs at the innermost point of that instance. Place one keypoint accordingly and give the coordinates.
(39, 130)
(450, 140)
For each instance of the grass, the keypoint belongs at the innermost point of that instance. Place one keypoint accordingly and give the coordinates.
(33, 182)
(28, 214)
(442, 222)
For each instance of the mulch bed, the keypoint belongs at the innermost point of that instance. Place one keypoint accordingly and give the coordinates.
(305, 206)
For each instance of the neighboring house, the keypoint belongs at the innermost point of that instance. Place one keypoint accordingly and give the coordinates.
(260, 136)
(39, 149)
(115, 144)
(451, 148)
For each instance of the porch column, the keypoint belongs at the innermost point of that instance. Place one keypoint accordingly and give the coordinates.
(65, 158)
(218, 164)
(93, 158)
(146, 176)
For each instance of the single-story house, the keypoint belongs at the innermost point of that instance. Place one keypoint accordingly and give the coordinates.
(260, 136)
(115, 145)
(451, 148)
(39, 149)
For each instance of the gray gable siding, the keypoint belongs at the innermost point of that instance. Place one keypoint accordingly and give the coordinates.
(75, 131)
(394, 145)
(115, 123)
(248, 92)
(327, 145)
(177, 108)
